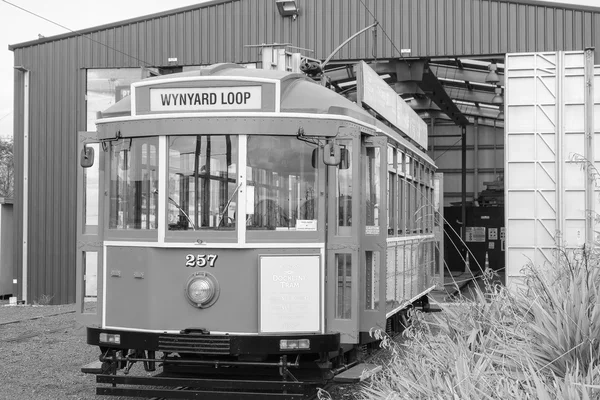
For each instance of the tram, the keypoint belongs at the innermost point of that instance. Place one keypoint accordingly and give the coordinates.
(252, 223)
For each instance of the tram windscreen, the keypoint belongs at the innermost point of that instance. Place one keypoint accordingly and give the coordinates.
(203, 183)
(282, 183)
(133, 200)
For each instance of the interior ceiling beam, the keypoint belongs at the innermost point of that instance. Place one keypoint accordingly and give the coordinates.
(468, 85)
(407, 88)
(475, 96)
(440, 116)
(463, 74)
(426, 104)
(436, 92)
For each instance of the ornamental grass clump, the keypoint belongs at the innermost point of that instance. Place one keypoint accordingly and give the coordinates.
(540, 341)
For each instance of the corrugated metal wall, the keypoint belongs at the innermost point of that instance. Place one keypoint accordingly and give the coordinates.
(218, 32)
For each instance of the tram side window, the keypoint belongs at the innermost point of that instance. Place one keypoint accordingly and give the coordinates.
(133, 182)
(282, 186)
(420, 198)
(401, 195)
(410, 203)
(372, 280)
(343, 295)
(391, 191)
(203, 182)
(344, 194)
(372, 165)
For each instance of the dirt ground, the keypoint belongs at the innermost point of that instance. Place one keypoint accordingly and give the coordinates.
(42, 350)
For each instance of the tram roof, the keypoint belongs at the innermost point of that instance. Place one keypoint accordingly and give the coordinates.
(299, 94)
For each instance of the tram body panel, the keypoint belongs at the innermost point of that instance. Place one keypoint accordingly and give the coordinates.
(145, 289)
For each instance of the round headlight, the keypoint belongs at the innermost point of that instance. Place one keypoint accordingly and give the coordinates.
(202, 289)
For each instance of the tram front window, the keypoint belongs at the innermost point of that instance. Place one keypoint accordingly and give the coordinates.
(133, 181)
(282, 184)
(203, 185)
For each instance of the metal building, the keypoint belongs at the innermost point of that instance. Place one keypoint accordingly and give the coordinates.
(438, 54)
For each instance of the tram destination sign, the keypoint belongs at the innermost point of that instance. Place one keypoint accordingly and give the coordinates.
(381, 98)
(229, 98)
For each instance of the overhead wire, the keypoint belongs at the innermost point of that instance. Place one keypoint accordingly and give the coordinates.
(1, 118)
(382, 28)
(77, 33)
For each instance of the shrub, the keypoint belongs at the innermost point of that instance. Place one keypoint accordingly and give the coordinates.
(540, 342)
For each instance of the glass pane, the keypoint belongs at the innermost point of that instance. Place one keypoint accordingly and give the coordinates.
(343, 297)
(282, 186)
(133, 183)
(401, 205)
(372, 280)
(416, 269)
(408, 270)
(90, 277)
(400, 274)
(344, 194)
(91, 186)
(105, 87)
(391, 203)
(372, 185)
(391, 158)
(203, 184)
(390, 284)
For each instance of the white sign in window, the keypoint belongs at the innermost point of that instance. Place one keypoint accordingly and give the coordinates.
(290, 293)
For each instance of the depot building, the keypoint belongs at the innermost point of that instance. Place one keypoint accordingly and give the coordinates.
(447, 59)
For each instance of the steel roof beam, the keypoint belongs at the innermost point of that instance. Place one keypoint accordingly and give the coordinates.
(475, 85)
(426, 105)
(465, 74)
(475, 96)
(440, 116)
(436, 92)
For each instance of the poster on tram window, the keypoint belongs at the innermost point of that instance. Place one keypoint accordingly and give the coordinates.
(290, 293)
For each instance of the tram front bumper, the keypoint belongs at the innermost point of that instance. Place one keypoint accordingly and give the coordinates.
(200, 342)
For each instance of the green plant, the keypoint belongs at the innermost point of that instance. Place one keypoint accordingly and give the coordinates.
(541, 342)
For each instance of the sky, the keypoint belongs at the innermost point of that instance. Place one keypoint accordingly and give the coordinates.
(17, 26)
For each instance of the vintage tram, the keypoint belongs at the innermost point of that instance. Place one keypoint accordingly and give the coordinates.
(252, 225)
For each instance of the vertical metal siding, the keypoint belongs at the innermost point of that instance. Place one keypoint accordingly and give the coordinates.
(219, 32)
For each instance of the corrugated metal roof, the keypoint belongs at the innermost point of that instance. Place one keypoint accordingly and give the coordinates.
(217, 31)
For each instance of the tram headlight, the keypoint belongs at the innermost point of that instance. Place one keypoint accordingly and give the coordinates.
(294, 344)
(112, 338)
(202, 290)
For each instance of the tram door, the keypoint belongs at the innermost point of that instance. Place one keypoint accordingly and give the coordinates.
(342, 240)
(90, 186)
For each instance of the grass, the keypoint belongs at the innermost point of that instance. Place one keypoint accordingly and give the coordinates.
(539, 342)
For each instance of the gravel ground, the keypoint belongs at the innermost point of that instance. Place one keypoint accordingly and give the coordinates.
(42, 350)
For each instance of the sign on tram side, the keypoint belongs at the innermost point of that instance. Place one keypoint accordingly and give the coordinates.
(375, 93)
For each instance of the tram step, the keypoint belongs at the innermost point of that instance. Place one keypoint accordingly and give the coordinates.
(358, 373)
(92, 368)
(186, 388)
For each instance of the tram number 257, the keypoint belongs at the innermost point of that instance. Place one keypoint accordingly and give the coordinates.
(200, 260)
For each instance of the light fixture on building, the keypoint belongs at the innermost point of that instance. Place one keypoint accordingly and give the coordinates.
(498, 98)
(500, 115)
(492, 76)
(287, 8)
